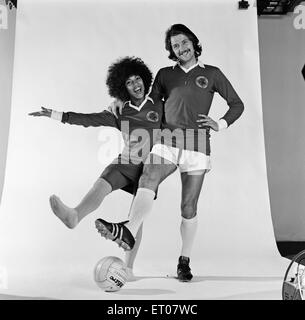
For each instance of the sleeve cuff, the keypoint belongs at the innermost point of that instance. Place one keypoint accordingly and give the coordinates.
(56, 115)
(222, 124)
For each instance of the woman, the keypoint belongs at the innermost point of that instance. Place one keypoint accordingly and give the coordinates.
(129, 80)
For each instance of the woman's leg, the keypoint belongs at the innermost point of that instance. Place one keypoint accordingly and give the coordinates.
(92, 200)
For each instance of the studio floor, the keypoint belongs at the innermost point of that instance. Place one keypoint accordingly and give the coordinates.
(213, 280)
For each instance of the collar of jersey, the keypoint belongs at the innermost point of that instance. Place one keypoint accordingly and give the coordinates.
(141, 105)
(199, 64)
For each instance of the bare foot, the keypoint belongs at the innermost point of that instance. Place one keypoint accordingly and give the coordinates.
(67, 215)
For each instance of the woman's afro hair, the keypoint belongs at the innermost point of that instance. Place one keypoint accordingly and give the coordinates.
(121, 70)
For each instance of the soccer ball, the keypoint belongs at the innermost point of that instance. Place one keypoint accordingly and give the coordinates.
(110, 274)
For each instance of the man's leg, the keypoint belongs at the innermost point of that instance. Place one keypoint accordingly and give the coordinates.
(153, 174)
(92, 200)
(130, 256)
(191, 187)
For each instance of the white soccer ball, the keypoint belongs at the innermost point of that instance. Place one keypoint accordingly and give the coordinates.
(110, 274)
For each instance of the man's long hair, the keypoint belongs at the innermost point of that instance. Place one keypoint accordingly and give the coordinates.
(121, 70)
(175, 30)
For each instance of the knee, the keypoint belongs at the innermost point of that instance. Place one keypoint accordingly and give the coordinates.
(101, 184)
(188, 210)
(149, 178)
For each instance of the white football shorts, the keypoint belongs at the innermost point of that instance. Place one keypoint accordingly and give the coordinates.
(186, 160)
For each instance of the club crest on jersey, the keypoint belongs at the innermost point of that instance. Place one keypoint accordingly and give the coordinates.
(152, 116)
(202, 82)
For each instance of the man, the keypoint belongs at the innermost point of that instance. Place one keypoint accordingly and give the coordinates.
(187, 89)
(129, 79)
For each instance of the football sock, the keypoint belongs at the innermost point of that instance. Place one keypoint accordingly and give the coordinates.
(130, 275)
(130, 256)
(141, 206)
(188, 230)
(93, 198)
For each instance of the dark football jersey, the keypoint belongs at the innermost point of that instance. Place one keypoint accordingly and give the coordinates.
(139, 126)
(187, 94)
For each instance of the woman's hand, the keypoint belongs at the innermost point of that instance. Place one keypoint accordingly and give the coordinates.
(43, 113)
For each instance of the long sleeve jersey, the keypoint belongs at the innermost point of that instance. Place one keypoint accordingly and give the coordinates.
(187, 94)
(139, 126)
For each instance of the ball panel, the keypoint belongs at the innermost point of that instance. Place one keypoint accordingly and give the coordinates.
(119, 273)
(110, 274)
(101, 268)
(108, 286)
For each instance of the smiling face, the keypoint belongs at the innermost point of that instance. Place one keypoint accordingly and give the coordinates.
(136, 90)
(183, 49)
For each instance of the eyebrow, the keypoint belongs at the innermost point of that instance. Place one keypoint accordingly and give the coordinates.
(136, 76)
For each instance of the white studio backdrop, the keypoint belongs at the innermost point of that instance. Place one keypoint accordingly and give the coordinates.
(63, 50)
(7, 42)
